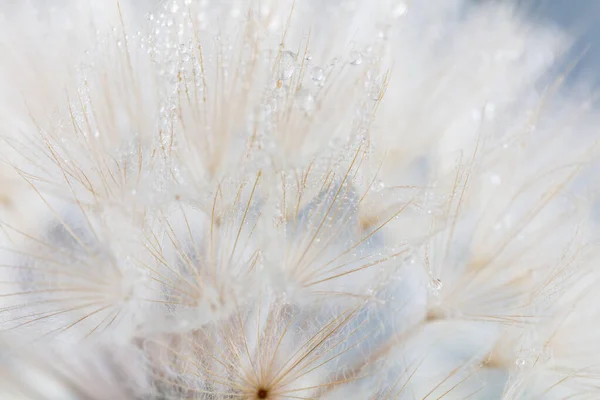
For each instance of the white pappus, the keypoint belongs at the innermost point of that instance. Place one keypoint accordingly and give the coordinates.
(278, 199)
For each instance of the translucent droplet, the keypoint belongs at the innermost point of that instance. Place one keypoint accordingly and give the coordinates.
(355, 58)
(317, 74)
(436, 284)
(399, 10)
(287, 65)
(187, 2)
(174, 7)
(520, 362)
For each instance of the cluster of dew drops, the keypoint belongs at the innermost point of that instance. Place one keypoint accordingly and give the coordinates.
(168, 44)
(169, 41)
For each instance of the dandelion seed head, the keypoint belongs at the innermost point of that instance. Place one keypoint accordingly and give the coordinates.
(284, 199)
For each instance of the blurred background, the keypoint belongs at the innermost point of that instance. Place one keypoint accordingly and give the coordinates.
(582, 18)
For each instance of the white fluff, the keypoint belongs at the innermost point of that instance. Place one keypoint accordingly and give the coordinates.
(276, 200)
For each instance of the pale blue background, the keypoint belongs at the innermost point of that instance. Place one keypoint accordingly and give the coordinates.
(580, 17)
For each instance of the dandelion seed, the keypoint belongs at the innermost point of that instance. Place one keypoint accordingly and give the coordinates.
(268, 200)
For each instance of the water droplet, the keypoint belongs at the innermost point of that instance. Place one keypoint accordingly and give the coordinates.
(436, 284)
(399, 10)
(174, 7)
(187, 2)
(355, 58)
(287, 65)
(317, 74)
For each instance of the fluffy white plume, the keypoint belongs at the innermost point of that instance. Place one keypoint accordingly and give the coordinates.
(342, 199)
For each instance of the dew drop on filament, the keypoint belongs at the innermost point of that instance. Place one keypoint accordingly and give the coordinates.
(355, 58)
(436, 284)
(287, 65)
(317, 74)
